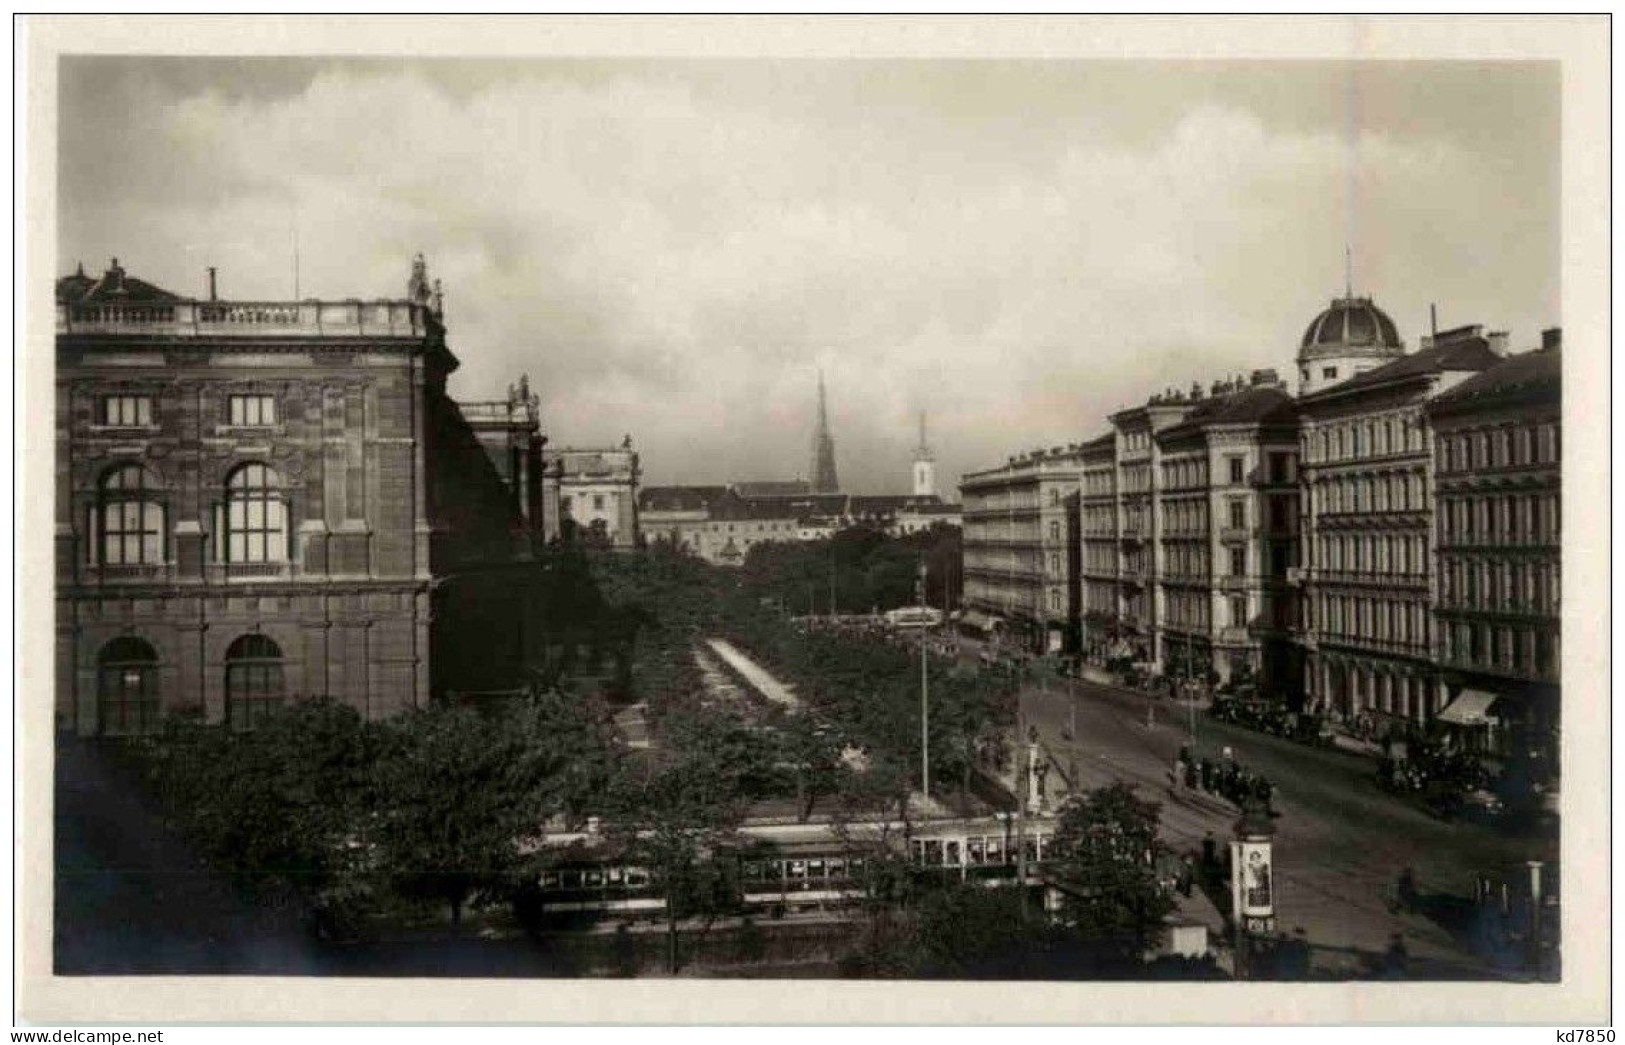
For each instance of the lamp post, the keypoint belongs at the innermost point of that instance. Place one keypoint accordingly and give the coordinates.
(925, 700)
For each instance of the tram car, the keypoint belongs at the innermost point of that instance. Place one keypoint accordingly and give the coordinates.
(785, 868)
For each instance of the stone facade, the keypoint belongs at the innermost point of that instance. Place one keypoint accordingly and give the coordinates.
(1370, 582)
(1498, 518)
(1227, 507)
(252, 500)
(1383, 549)
(1020, 524)
(596, 490)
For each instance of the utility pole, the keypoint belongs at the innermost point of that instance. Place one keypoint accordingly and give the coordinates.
(1023, 770)
(925, 700)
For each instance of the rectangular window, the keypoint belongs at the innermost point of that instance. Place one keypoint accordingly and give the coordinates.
(132, 411)
(1329, 373)
(1238, 562)
(1280, 468)
(1238, 611)
(1237, 470)
(251, 410)
(1238, 514)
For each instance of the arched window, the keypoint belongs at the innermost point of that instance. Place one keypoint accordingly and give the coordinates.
(253, 681)
(127, 522)
(256, 516)
(127, 687)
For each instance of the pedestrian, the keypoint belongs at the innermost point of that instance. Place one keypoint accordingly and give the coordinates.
(1207, 775)
(1187, 875)
(1397, 958)
(1210, 853)
(1190, 775)
(1407, 889)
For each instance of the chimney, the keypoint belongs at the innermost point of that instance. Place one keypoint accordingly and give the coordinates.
(213, 296)
(1551, 338)
(1497, 341)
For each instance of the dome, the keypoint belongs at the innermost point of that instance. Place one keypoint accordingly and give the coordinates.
(1353, 323)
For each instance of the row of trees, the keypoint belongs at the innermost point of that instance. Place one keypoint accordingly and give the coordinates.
(859, 570)
(441, 804)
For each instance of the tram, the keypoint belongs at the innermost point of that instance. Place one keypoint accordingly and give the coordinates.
(799, 867)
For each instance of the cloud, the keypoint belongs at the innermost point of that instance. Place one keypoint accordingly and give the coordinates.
(673, 258)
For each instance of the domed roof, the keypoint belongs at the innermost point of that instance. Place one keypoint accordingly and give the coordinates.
(1355, 323)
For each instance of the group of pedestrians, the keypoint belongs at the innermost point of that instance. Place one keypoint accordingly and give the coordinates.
(1226, 778)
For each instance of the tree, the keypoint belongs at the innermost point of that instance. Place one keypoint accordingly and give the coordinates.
(812, 752)
(968, 931)
(459, 791)
(1104, 855)
(275, 808)
(679, 821)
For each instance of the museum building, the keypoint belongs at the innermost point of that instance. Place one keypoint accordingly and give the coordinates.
(256, 499)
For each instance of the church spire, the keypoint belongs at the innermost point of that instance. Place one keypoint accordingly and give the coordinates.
(925, 469)
(823, 465)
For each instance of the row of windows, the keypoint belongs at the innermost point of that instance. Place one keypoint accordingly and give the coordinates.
(1368, 553)
(1184, 474)
(1380, 493)
(1508, 587)
(1098, 482)
(127, 691)
(1503, 519)
(1186, 560)
(127, 523)
(1530, 651)
(1188, 610)
(1383, 620)
(1186, 516)
(1369, 437)
(136, 411)
(1504, 447)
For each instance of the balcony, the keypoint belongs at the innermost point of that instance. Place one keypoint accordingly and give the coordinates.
(1234, 582)
(1234, 636)
(1236, 534)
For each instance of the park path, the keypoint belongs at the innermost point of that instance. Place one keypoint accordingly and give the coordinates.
(755, 674)
(770, 687)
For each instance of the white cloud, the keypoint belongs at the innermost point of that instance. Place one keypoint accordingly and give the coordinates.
(676, 263)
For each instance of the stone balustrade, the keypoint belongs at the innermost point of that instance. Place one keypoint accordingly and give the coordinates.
(215, 319)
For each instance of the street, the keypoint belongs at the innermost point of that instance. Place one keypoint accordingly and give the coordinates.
(1341, 841)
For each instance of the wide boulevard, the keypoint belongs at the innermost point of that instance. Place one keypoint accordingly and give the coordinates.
(1341, 841)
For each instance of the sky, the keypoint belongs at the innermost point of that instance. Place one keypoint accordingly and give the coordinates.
(675, 249)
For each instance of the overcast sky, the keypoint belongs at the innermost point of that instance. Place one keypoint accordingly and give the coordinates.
(673, 249)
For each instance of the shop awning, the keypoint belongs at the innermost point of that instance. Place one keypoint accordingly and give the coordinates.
(981, 621)
(1471, 707)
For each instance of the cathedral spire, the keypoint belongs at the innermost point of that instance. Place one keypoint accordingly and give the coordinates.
(823, 465)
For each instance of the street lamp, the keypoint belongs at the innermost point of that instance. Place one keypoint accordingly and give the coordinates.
(925, 704)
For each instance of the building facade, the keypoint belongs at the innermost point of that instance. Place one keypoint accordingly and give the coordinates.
(595, 491)
(1020, 529)
(253, 499)
(1370, 578)
(1498, 522)
(1139, 528)
(1227, 508)
(1099, 594)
